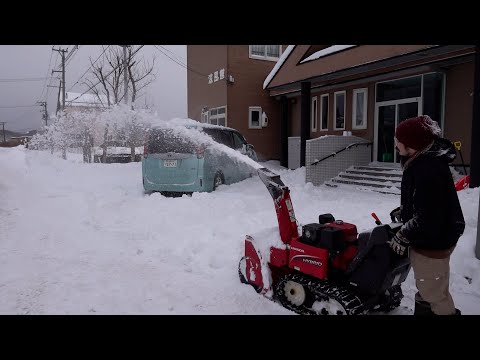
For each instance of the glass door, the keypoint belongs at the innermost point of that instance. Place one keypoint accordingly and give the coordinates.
(386, 132)
(405, 111)
(389, 115)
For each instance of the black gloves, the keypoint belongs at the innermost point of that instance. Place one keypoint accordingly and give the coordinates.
(399, 243)
(395, 214)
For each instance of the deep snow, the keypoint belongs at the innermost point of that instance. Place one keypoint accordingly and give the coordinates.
(80, 238)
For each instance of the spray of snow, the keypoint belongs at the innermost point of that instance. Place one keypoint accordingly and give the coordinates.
(192, 130)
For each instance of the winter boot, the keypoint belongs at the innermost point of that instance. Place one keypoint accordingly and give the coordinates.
(422, 308)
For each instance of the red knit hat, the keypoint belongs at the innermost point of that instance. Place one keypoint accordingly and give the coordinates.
(416, 133)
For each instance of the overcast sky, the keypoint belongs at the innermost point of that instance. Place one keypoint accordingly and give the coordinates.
(167, 94)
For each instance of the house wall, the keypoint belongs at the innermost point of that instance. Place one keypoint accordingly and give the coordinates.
(204, 60)
(247, 90)
(363, 133)
(457, 118)
(459, 107)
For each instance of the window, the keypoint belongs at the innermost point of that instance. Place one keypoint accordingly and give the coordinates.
(218, 116)
(359, 116)
(410, 87)
(313, 115)
(324, 112)
(238, 140)
(227, 138)
(220, 136)
(264, 52)
(339, 111)
(205, 117)
(254, 117)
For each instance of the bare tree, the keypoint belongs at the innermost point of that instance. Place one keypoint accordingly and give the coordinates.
(108, 75)
(140, 74)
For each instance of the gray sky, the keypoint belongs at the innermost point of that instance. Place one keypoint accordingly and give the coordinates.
(167, 94)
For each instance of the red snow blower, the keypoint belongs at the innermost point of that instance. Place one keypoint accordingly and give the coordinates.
(329, 268)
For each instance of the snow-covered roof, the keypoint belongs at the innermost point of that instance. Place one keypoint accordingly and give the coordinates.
(78, 99)
(327, 51)
(277, 66)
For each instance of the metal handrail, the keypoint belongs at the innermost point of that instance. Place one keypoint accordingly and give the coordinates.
(339, 151)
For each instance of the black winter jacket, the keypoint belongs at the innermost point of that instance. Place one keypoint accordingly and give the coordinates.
(432, 215)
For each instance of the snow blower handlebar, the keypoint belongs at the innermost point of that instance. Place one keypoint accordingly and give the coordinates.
(377, 220)
(287, 222)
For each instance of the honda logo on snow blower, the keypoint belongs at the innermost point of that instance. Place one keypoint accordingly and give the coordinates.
(313, 262)
(307, 259)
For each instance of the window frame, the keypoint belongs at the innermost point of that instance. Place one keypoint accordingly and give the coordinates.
(365, 109)
(250, 110)
(321, 111)
(313, 114)
(264, 57)
(217, 115)
(344, 92)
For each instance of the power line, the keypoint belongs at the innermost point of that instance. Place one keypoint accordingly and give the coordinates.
(16, 106)
(54, 65)
(103, 52)
(46, 76)
(23, 79)
(70, 55)
(180, 58)
(178, 63)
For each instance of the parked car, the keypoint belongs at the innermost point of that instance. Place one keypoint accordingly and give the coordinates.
(175, 165)
(117, 152)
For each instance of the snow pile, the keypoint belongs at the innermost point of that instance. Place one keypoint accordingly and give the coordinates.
(80, 238)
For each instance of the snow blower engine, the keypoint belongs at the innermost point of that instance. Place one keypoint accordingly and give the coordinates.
(329, 268)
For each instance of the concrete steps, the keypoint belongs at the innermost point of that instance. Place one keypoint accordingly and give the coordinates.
(383, 179)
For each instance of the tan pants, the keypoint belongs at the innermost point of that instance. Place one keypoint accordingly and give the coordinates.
(432, 279)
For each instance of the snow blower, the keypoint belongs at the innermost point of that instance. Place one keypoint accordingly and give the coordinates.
(329, 268)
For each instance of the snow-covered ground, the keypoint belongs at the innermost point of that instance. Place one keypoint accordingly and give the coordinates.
(81, 238)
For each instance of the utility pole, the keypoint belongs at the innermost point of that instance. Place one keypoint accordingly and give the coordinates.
(3, 125)
(125, 73)
(62, 51)
(58, 98)
(45, 113)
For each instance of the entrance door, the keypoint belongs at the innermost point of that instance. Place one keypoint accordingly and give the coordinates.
(388, 116)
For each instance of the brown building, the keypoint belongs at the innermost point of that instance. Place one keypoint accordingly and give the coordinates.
(225, 87)
(317, 90)
(369, 89)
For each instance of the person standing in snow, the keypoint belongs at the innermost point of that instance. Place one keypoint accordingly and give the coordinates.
(430, 211)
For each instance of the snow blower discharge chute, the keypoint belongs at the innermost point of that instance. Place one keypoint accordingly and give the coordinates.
(327, 269)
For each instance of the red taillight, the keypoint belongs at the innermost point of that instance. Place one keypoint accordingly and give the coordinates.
(200, 150)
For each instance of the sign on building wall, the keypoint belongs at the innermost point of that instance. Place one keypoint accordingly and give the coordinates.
(215, 76)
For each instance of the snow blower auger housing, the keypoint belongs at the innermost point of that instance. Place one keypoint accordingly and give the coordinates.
(329, 268)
